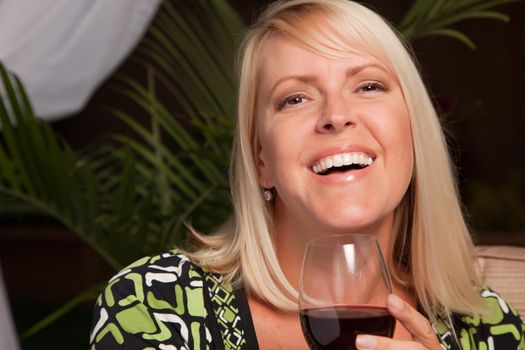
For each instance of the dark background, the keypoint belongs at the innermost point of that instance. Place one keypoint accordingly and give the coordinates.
(481, 98)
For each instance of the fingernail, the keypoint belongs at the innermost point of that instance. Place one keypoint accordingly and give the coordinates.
(366, 342)
(395, 303)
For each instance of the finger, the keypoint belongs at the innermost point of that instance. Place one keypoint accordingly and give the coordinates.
(414, 322)
(370, 342)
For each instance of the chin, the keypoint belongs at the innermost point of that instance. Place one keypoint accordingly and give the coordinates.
(345, 223)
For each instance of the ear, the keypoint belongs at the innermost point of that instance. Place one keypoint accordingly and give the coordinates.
(263, 171)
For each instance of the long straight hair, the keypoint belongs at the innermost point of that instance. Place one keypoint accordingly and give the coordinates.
(432, 252)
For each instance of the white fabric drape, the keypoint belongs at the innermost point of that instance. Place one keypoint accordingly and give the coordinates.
(8, 337)
(63, 49)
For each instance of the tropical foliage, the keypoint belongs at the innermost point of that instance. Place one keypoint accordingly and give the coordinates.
(131, 196)
(436, 17)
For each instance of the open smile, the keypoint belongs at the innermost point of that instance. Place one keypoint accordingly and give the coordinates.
(342, 162)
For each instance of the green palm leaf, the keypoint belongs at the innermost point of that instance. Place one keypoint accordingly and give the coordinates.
(436, 17)
(38, 169)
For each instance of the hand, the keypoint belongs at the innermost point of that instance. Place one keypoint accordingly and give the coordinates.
(423, 336)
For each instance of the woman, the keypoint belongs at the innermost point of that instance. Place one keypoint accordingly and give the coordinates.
(336, 134)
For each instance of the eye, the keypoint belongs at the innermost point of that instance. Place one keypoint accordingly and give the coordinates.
(290, 101)
(372, 86)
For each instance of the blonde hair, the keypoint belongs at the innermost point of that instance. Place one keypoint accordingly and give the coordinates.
(432, 244)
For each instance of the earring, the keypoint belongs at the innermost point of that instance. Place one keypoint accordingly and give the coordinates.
(268, 194)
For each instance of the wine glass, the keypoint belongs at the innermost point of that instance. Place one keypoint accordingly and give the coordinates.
(344, 288)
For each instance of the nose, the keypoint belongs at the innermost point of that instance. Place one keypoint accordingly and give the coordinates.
(336, 116)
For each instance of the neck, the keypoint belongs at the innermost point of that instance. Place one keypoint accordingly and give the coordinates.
(291, 239)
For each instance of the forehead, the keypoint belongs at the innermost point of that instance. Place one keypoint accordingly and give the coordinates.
(278, 47)
(281, 55)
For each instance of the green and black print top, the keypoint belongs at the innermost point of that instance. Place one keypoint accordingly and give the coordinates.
(166, 302)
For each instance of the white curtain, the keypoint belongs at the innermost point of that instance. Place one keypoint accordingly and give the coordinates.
(8, 337)
(63, 49)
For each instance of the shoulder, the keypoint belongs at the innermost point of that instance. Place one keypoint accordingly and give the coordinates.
(500, 327)
(158, 280)
(154, 300)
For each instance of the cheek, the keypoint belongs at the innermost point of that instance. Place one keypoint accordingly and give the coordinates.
(400, 143)
(275, 155)
(284, 158)
(283, 145)
(391, 127)
(404, 141)
(393, 132)
(283, 140)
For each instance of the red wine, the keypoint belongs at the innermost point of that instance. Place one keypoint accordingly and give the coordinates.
(335, 328)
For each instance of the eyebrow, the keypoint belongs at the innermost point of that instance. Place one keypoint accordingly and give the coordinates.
(308, 78)
(357, 69)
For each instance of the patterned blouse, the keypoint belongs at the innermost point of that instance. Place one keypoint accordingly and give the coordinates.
(166, 302)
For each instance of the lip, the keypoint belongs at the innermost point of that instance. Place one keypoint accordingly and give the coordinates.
(341, 149)
(346, 177)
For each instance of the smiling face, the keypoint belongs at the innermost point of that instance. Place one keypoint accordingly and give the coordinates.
(334, 137)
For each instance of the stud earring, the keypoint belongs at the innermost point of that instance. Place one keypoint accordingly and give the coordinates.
(268, 194)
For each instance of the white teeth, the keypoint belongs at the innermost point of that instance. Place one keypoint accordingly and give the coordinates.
(338, 160)
(342, 159)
